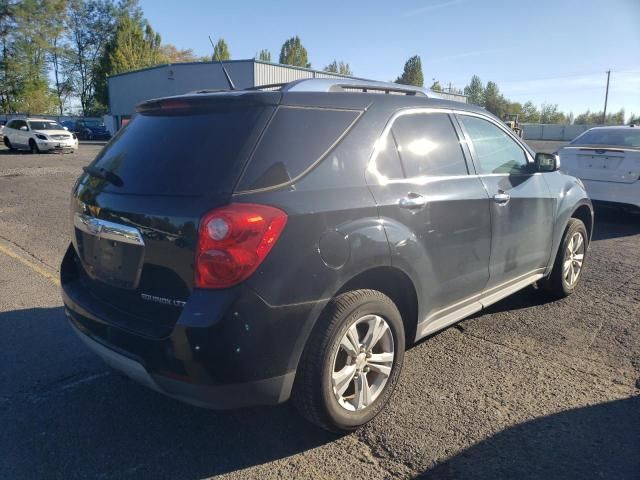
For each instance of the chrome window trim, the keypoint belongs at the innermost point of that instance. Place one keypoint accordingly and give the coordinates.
(502, 127)
(427, 178)
(108, 230)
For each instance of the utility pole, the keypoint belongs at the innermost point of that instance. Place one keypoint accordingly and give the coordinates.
(606, 97)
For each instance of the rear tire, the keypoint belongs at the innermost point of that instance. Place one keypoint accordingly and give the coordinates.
(569, 262)
(352, 361)
(7, 144)
(33, 147)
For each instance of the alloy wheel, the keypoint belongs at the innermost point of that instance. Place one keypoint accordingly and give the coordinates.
(362, 363)
(573, 258)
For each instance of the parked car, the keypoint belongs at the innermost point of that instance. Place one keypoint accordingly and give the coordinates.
(301, 239)
(607, 160)
(88, 129)
(38, 135)
(2, 124)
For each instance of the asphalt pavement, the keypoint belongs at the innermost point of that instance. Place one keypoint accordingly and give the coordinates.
(526, 389)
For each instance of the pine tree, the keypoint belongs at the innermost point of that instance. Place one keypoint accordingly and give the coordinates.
(341, 68)
(412, 74)
(264, 55)
(221, 51)
(475, 91)
(293, 53)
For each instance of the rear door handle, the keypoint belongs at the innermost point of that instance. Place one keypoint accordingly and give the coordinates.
(413, 201)
(501, 198)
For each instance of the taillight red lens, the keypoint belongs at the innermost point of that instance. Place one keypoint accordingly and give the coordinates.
(233, 241)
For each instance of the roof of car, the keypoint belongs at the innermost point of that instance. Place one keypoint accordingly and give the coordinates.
(324, 93)
(35, 119)
(616, 127)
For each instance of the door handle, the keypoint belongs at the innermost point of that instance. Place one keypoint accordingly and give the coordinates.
(412, 201)
(501, 198)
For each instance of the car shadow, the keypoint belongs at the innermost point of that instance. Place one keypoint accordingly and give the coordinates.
(614, 222)
(594, 442)
(84, 420)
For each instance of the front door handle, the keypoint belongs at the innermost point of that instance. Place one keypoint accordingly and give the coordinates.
(501, 198)
(413, 201)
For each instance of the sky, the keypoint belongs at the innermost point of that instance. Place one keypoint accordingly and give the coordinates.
(545, 51)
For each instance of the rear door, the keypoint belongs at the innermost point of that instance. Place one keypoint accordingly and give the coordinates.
(435, 212)
(522, 207)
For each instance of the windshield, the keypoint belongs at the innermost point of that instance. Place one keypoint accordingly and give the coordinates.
(45, 126)
(623, 137)
(93, 124)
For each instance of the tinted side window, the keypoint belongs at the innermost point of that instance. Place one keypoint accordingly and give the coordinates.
(11, 124)
(428, 145)
(387, 161)
(294, 141)
(496, 151)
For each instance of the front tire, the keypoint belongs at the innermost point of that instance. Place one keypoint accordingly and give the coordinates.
(33, 147)
(569, 262)
(352, 361)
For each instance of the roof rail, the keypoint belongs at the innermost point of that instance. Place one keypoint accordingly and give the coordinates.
(348, 84)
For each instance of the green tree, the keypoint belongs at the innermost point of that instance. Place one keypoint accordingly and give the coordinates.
(494, 101)
(264, 55)
(26, 31)
(293, 53)
(634, 119)
(341, 68)
(90, 25)
(436, 87)
(171, 54)
(530, 113)
(221, 51)
(134, 45)
(412, 74)
(549, 113)
(475, 91)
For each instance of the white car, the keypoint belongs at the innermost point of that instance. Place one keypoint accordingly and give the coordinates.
(38, 135)
(607, 160)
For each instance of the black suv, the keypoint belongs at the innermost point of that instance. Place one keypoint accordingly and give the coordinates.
(244, 247)
(88, 129)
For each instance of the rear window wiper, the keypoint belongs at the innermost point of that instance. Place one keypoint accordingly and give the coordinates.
(104, 174)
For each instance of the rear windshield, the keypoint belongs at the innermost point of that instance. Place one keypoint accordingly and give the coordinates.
(191, 154)
(620, 138)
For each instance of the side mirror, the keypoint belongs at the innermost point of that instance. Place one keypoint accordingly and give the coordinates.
(24, 128)
(547, 162)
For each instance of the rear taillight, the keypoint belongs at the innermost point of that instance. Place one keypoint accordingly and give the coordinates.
(233, 241)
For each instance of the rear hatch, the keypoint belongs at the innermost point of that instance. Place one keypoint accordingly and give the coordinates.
(136, 211)
(601, 163)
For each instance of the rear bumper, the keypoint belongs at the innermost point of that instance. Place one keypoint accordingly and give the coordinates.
(228, 348)
(267, 391)
(614, 192)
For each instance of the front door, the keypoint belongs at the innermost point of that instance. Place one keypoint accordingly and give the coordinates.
(522, 207)
(435, 212)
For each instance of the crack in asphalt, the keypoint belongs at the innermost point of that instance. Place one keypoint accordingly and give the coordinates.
(32, 255)
(552, 362)
(56, 388)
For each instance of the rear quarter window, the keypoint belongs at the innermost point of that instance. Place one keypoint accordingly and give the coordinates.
(295, 140)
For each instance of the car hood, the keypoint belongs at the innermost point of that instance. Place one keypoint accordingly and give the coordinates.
(52, 132)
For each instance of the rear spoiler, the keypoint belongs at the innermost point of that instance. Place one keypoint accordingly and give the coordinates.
(206, 99)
